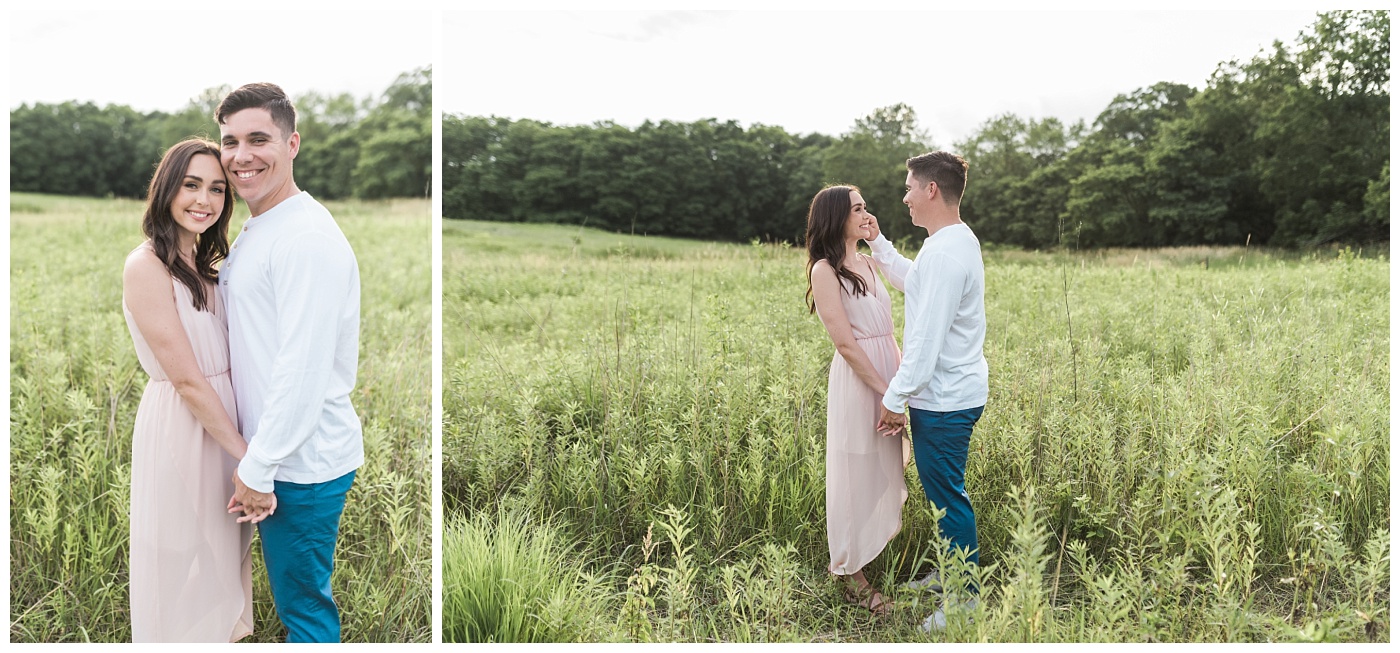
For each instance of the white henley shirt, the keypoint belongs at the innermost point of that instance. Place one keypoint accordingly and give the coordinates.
(291, 290)
(944, 322)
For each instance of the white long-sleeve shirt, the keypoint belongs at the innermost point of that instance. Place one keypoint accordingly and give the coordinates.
(944, 322)
(291, 289)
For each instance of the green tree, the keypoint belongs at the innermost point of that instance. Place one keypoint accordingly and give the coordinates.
(1324, 129)
(330, 143)
(605, 177)
(195, 120)
(872, 156)
(80, 149)
(1018, 179)
(1116, 199)
(1377, 210)
(396, 141)
(803, 166)
(468, 159)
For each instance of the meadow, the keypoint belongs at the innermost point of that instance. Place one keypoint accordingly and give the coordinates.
(75, 384)
(1180, 445)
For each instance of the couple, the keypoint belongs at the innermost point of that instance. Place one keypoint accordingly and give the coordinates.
(276, 327)
(942, 378)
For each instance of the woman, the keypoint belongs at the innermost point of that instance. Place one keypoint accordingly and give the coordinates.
(865, 489)
(191, 566)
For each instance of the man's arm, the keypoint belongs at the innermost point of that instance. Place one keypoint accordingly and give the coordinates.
(311, 287)
(893, 264)
(936, 289)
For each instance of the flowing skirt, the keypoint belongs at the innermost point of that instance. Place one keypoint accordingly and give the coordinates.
(191, 561)
(865, 488)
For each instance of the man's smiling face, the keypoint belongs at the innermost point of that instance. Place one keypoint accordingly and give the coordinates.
(258, 157)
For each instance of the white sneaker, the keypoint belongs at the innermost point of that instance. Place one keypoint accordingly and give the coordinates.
(939, 619)
(930, 583)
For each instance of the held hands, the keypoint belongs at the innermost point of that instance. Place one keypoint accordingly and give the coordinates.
(891, 423)
(255, 506)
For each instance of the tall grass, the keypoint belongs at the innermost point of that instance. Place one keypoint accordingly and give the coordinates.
(75, 384)
(508, 580)
(1206, 458)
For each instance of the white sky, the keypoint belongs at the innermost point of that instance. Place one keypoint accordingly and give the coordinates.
(159, 60)
(820, 71)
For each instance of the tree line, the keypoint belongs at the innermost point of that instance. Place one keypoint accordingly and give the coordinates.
(1290, 148)
(374, 147)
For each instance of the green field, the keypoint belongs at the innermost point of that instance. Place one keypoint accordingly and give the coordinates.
(1180, 445)
(75, 384)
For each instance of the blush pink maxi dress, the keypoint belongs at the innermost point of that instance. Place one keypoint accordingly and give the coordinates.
(865, 488)
(191, 562)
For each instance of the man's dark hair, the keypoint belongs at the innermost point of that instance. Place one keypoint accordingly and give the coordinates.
(946, 169)
(260, 95)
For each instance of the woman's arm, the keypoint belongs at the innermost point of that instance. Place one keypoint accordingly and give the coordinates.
(826, 292)
(146, 287)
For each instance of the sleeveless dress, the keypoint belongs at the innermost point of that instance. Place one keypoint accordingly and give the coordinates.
(865, 488)
(191, 561)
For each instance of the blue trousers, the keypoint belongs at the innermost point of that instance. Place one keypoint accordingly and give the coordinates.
(940, 452)
(298, 544)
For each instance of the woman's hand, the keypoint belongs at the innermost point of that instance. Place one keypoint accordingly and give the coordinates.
(253, 515)
(255, 505)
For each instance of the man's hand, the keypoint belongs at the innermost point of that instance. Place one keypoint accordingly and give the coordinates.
(255, 506)
(873, 229)
(891, 423)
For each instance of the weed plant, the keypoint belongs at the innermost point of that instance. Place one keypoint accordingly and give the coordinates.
(75, 384)
(1180, 445)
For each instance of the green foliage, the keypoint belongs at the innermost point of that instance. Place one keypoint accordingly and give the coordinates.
(872, 157)
(367, 149)
(1204, 456)
(1285, 149)
(1281, 149)
(705, 179)
(75, 386)
(507, 579)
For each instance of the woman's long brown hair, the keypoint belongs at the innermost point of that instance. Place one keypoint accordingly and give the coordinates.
(826, 237)
(159, 224)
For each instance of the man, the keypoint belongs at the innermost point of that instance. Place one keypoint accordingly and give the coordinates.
(943, 375)
(291, 289)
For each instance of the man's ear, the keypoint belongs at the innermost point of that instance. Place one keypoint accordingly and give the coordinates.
(294, 143)
(933, 191)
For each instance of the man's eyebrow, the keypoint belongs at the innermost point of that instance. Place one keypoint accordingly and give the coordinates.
(250, 135)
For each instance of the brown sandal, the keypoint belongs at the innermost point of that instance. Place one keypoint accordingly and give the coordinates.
(866, 597)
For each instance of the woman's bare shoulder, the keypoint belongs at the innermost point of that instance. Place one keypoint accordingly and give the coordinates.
(142, 263)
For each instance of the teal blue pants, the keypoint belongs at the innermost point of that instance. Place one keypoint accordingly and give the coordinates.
(940, 452)
(298, 543)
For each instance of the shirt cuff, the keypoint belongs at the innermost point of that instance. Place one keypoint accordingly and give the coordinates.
(255, 474)
(891, 401)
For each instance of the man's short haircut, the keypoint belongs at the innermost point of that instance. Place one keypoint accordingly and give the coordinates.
(260, 95)
(946, 169)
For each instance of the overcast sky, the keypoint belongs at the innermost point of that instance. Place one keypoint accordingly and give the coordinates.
(159, 60)
(820, 71)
